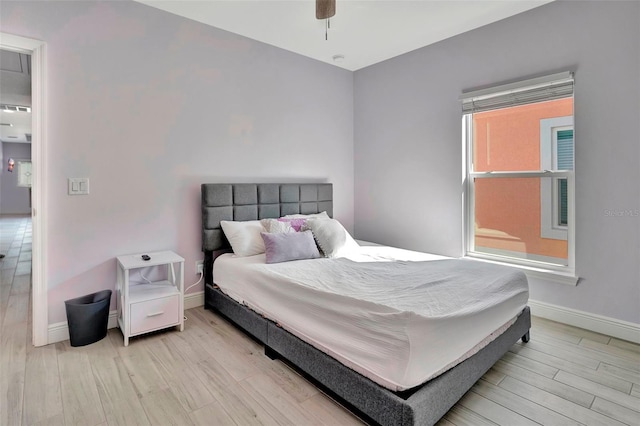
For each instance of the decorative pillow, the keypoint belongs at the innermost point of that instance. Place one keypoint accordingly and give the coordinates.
(276, 226)
(332, 238)
(244, 237)
(322, 215)
(289, 246)
(295, 223)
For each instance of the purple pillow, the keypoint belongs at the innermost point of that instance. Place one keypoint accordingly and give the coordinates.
(290, 246)
(296, 223)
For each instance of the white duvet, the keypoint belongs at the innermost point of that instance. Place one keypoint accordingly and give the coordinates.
(395, 316)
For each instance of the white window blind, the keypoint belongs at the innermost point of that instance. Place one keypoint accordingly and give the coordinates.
(564, 145)
(540, 89)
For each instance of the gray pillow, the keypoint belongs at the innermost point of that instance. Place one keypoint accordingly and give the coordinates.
(289, 246)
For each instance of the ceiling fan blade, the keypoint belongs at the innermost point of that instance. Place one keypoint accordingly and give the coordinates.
(325, 9)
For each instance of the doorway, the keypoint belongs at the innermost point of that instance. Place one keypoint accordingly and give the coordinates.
(39, 306)
(15, 133)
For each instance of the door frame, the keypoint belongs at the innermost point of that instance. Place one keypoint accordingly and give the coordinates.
(39, 303)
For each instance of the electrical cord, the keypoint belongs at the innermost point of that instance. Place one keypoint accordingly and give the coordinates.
(145, 278)
(197, 282)
(193, 285)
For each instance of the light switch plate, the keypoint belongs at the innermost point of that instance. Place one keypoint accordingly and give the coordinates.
(78, 186)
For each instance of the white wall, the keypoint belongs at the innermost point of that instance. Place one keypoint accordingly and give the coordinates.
(408, 150)
(149, 105)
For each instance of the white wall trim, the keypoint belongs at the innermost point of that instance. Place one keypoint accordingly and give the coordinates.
(39, 301)
(59, 332)
(531, 272)
(193, 300)
(598, 323)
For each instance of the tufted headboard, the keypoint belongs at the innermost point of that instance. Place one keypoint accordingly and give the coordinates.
(221, 201)
(251, 201)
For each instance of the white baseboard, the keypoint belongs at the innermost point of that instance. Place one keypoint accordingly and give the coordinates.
(193, 300)
(59, 331)
(600, 324)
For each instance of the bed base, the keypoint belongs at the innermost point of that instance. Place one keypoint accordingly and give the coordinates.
(423, 405)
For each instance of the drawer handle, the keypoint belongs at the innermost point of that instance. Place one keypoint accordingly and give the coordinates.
(155, 314)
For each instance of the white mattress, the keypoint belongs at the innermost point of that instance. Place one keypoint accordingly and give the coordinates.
(395, 316)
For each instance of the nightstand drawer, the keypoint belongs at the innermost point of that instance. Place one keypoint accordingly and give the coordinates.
(155, 314)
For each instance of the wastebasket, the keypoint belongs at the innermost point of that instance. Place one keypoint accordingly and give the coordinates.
(87, 317)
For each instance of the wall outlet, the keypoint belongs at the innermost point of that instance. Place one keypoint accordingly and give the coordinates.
(199, 266)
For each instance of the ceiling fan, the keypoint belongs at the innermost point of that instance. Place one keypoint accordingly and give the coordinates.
(325, 9)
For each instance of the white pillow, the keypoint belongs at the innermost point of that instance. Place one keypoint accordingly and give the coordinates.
(274, 226)
(332, 238)
(244, 237)
(321, 215)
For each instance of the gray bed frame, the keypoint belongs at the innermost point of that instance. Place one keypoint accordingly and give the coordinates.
(423, 405)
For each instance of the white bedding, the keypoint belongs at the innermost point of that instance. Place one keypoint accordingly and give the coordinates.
(395, 316)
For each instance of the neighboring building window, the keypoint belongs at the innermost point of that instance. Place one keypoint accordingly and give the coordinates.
(564, 161)
(519, 172)
(556, 153)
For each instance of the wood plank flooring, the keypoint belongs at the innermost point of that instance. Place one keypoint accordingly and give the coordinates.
(212, 374)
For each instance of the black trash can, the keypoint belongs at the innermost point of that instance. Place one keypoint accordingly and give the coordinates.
(87, 317)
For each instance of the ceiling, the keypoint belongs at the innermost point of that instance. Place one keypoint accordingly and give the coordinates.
(15, 97)
(15, 127)
(364, 32)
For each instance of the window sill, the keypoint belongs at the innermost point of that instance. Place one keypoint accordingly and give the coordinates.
(567, 278)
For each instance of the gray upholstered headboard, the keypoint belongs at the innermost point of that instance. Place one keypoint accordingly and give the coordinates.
(242, 201)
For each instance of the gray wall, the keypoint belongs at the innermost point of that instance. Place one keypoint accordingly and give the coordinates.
(13, 199)
(408, 173)
(149, 105)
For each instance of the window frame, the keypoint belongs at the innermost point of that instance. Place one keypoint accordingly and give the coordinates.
(549, 227)
(533, 268)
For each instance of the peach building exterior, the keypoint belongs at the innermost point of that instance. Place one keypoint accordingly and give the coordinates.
(509, 139)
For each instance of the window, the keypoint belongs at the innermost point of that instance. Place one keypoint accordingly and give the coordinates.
(24, 173)
(556, 153)
(519, 173)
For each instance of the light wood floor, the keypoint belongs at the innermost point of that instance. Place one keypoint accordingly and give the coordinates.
(211, 374)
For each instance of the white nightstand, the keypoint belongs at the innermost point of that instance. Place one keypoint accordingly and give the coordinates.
(144, 306)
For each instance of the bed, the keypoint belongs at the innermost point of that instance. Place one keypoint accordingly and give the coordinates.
(378, 399)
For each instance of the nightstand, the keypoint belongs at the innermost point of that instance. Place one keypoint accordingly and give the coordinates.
(150, 305)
